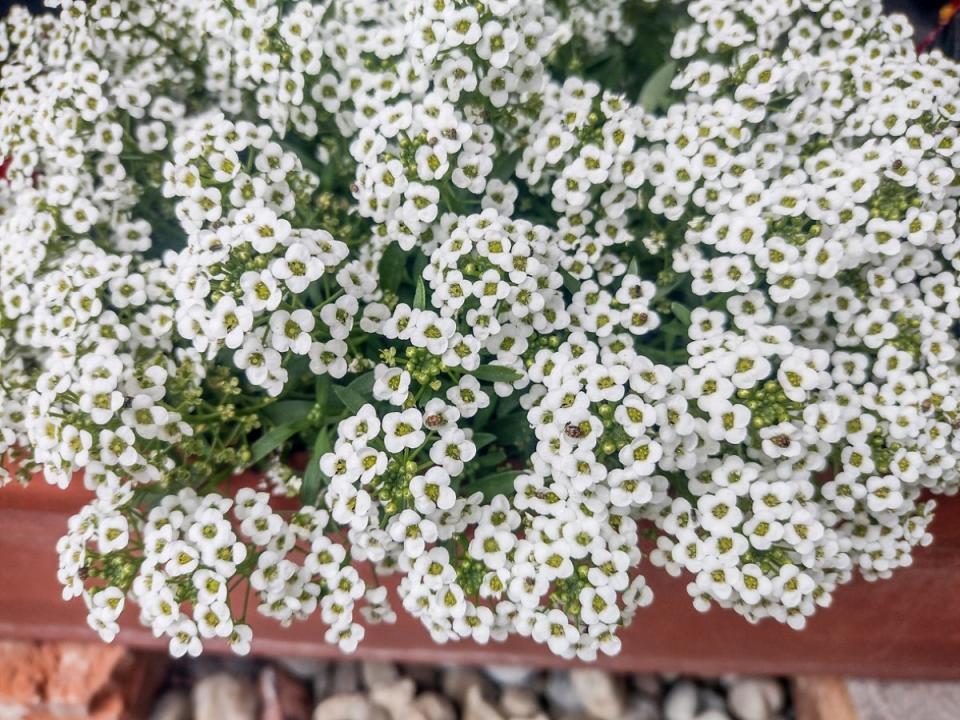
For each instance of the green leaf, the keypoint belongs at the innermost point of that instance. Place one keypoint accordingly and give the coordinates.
(483, 439)
(321, 390)
(482, 418)
(315, 293)
(632, 267)
(653, 96)
(681, 313)
(313, 476)
(283, 412)
(363, 384)
(298, 368)
(273, 439)
(351, 400)
(505, 164)
(500, 483)
(569, 281)
(496, 373)
(660, 356)
(420, 296)
(490, 459)
(506, 405)
(420, 261)
(514, 429)
(391, 267)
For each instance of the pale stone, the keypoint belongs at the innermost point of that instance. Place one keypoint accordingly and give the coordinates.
(395, 697)
(518, 702)
(409, 713)
(681, 702)
(173, 705)
(434, 707)
(15, 711)
(224, 697)
(755, 698)
(458, 681)
(712, 715)
(379, 673)
(349, 706)
(508, 675)
(475, 707)
(599, 692)
(560, 693)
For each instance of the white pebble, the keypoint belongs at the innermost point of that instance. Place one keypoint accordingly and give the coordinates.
(681, 702)
(755, 698)
(712, 715)
(508, 675)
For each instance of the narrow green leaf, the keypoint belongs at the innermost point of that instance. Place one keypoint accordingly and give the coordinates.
(391, 267)
(315, 293)
(420, 296)
(514, 429)
(321, 390)
(299, 368)
(653, 96)
(665, 288)
(500, 483)
(420, 261)
(483, 439)
(286, 411)
(482, 418)
(660, 356)
(632, 267)
(496, 373)
(272, 439)
(505, 164)
(506, 405)
(363, 384)
(569, 281)
(490, 459)
(351, 400)
(681, 313)
(313, 476)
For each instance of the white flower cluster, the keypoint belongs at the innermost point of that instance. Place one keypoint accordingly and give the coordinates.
(479, 313)
(239, 279)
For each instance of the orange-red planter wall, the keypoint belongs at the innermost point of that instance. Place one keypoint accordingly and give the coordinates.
(908, 626)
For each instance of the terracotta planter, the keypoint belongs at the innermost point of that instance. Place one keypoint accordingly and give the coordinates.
(908, 626)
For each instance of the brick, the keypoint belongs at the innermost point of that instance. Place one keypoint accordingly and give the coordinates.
(64, 681)
(79, 671)
(22, 674)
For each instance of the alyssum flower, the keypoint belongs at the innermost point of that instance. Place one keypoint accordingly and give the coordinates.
(480, 318)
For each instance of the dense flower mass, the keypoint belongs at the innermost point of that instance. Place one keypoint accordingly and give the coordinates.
(493, 293)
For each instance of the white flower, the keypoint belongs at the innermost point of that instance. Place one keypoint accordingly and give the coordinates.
(431, 491)
(402, 430)
(291, 331)
(467, 396)
(184, 639)
(391, 384)
(452, 450)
